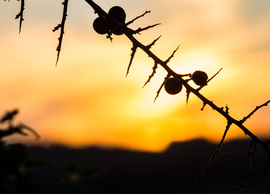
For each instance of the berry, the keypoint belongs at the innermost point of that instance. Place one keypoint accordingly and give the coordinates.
(118, 13)
(173, 85)
(101, 26)
(199, 77)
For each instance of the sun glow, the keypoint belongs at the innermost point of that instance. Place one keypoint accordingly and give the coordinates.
(87, 100)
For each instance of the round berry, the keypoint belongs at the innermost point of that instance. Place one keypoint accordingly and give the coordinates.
(118, 13)
(101, 26)
(200, 78)
(173, 85)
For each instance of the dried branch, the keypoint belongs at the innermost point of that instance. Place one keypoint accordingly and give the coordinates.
(134, 49)
(20, 15)
(152, 74)
(215, 154)
(62, 27)
(172, 55)
(257, 108)
(130, 22)
(153, 43)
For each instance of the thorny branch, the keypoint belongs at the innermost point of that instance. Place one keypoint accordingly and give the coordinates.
(20, 15)
(225, 113)
(62, 26)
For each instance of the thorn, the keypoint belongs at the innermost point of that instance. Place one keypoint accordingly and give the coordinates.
(134, 48)
(152, 74)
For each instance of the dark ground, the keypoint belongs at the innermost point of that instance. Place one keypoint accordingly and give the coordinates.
(96, 170)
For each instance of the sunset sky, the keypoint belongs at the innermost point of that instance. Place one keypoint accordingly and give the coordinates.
(87, 100)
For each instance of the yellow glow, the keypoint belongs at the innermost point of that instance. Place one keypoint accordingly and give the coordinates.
(87, 100)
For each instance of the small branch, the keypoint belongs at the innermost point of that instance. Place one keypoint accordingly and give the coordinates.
(214, 75)
(62, 27)
(152, 74)
(20, 15)
(209, 80)
(130, 22)
(153, 43)
(134, 49)
(146, 28)
(257, 108)
(23, 126)
(172, 55)
(214, 155)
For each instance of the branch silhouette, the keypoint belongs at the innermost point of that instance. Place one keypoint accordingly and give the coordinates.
(185, 78)
(62, 28)
(20, 15)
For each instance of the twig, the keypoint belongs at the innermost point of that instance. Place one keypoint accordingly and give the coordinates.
(214, 155)
(31, 130)
(257, 108)
(130, 22)
(20, 15)
(62, 27)
(209, 80)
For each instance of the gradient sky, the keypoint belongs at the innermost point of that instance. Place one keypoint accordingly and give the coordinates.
(87, 100)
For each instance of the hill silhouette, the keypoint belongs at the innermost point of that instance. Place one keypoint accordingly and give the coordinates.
(97, 170)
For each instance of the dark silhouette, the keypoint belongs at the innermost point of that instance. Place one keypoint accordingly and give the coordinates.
(102, 171)
(13, 179)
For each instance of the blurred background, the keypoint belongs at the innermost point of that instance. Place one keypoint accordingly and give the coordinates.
(87, 100)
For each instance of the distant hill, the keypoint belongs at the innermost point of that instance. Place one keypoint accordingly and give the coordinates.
(122, 171)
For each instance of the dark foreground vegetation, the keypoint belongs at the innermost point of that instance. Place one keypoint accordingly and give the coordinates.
(59, 169)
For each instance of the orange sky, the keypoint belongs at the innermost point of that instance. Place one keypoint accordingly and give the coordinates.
(87, 100)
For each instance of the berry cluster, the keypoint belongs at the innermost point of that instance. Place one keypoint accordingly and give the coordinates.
(173, 85)
(103, 25)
